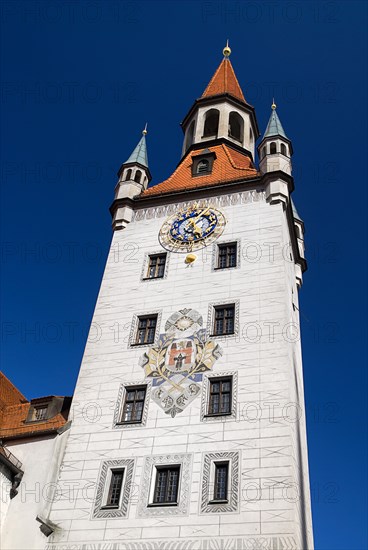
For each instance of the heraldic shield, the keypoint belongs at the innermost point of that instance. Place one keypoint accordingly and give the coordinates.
(177, 363)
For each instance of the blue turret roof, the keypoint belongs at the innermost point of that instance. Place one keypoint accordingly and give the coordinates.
(274, 126)
(295, 212)
(139, 154)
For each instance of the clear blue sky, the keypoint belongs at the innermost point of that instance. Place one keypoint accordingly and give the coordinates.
(80, 79)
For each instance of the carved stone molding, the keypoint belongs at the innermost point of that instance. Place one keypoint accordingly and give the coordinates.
(234, 483)
(265, 542)
(134, 328)
(163, 211)
(98, 510)
(205, 396)
(210, 319)
(120, 404)
(182, 508)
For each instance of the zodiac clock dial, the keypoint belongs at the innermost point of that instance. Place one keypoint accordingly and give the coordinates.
(192, 229)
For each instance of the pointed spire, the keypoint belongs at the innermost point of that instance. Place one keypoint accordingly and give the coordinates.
(224, 80)
(274, 126)
(139, 154)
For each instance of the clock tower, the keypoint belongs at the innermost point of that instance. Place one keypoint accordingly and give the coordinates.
(188, 420)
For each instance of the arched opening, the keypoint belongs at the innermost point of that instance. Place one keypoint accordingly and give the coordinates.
(283, 149)
(236, 126)
(137, 176)
(211, 123)
(128, 174)
(203, 166)
(263, 152)
(272, 148)
(190, 136)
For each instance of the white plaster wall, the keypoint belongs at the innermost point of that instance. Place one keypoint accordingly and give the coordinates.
(272, 448)
(20, 529)
(5, 486)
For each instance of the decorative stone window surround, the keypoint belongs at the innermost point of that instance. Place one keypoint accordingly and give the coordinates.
(104, 477)
(145, 506)
(205, 396)
(208, 477)
(146, 264)
(215, 254)
(211, 317)
(133, 331)
(117, 424)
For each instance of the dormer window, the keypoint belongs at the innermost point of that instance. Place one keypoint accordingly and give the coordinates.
(203, 163)
(203, 166)
(40, 412)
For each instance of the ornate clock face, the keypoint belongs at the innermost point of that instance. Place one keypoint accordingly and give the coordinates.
(192, 229)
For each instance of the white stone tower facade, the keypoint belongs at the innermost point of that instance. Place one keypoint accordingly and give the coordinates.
(188, 420)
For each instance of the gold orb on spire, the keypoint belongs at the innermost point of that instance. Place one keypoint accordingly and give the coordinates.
(145, 131)
(227, 50)
(273, 106)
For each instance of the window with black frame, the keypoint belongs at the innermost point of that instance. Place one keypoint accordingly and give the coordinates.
(156, 266)
(133, 404)
(227, 255)
(220, 396)
(166, 485)
(221, 481)
(115, 489)
(146, 329)
(224, 320)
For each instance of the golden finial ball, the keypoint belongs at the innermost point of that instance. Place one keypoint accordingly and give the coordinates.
(227, 50)
(273, 106)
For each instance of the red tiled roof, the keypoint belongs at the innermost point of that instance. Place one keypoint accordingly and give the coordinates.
(229, 165)
(9, 394)
(14, 408)
(224, 81)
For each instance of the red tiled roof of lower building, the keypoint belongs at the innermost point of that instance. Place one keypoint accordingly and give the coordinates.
(229, 165)
(14, 409)
(224, 81)
(12, 422)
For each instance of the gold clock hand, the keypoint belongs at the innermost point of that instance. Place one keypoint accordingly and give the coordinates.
(200, 215)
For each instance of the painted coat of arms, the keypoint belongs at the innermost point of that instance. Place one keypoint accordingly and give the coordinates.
(177, 363)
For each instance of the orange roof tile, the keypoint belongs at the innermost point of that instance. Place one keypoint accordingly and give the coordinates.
(9, 394)
(224, 81)
(229, 165)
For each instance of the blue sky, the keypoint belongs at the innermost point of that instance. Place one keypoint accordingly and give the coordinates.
(80, 79)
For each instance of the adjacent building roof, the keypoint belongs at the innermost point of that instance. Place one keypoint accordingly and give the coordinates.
(224, 81)
(14, 410)
(139, 154)
(274, 126)
(229, 165)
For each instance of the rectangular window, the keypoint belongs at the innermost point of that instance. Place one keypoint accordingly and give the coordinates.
(167, 485)
(40, 412)
(224, 320)
(146, 329)
(133, 404)
(220, 396)
(156, 266)
(116, 485)
(221, 481)
(227, 255)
